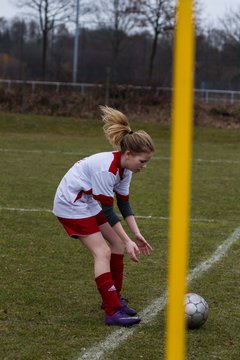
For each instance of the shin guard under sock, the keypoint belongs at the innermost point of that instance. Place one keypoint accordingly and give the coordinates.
(108, 293)
(116, 266)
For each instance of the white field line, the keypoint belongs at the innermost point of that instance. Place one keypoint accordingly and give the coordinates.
(38, 151)
(24, 210)
(137, 216)
(212, 161)
(112, 341)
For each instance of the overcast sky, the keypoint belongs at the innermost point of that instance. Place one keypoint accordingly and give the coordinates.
(212, 9)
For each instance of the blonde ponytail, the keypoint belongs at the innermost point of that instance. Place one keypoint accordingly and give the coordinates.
(116, 125)
(118, 132)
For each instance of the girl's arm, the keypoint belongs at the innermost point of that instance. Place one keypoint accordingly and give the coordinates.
(130, 245)
(140, 245)
(115, 223)
(144, 247)
(127, 213)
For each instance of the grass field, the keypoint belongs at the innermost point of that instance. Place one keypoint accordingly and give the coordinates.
(49, 306)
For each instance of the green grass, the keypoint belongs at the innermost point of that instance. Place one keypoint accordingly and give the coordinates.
(49, 306)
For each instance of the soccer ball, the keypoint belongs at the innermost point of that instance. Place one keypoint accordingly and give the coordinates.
(196, 310)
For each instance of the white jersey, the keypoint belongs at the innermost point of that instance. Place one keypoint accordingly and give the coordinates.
(91, 180)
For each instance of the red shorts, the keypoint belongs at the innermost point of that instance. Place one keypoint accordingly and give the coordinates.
(83, 227)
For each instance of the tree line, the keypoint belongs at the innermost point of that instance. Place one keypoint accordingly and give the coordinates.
(120, 41)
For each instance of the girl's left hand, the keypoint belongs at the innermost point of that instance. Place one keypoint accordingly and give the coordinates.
(144, 247)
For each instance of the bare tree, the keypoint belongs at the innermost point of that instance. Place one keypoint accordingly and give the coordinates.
(230, 31)
(118, 16)
(158, 17)
(231, 25)
(50, 13)
(18, 32)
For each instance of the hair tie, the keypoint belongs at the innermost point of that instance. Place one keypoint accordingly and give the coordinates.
(130, 132)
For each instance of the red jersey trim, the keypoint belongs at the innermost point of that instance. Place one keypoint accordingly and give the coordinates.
(79, 195)
(107, 200)
(116, 164)
(122, 197)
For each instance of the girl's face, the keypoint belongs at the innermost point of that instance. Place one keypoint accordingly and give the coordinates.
(136, 162)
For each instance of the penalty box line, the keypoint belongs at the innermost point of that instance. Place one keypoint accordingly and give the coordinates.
(144, 217)
(112, 341)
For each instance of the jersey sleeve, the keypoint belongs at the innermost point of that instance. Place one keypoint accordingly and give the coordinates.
(102, 187)
(122, 188)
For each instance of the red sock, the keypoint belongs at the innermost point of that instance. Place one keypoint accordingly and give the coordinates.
(108, 293)
(116, 266)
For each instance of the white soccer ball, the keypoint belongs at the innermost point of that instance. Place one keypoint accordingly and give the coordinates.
(196, 310)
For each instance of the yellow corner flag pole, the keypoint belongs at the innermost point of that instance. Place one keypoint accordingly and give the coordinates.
(180, 179)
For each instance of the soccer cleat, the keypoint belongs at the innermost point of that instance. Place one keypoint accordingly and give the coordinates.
(124, 307)
(122, 319)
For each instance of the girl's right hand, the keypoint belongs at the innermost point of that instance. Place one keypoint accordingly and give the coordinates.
(132, 249)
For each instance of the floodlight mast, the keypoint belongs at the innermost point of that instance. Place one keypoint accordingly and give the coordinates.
(75, 52)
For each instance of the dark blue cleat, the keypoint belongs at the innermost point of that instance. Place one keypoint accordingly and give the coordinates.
(124, 307)
(122, 319)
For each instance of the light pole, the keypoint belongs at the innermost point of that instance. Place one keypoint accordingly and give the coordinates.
(75, 52)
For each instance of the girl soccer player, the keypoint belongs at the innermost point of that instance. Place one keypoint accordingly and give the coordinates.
(84, 206)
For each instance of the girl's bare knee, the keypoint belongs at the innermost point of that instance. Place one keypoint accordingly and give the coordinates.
(104, 252)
